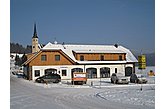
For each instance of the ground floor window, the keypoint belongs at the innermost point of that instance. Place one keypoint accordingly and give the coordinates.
(64, 72)
(105, 72)
(37, 73)
(115, 70)
(77, 70)
(50, 71)
(91, 73)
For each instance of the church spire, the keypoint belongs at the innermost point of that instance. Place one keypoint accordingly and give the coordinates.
(35, 32)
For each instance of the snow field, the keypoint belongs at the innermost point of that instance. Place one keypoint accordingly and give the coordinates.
(30, 95)
(131, 95)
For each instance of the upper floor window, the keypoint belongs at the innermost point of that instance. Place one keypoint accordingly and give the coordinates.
(81, 58)
(120, 57)
(111, 57)
(102, 57)
(43, 57)
(57, 57)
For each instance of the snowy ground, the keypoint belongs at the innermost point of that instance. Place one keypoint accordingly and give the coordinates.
(132, 95)
(26, 94)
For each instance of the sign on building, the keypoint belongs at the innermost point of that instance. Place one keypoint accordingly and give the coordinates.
(142, 62)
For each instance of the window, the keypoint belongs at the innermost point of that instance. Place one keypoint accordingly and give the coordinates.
(43, 57)
(102, 57)
(33, 46)
(77, 70)
(50, 71)
(37, 73)
(104, 72)
(111, 57)
(115, 70)
(57, 57)
(81, 58)
(64, 72)
(91, 73)
(120, 57)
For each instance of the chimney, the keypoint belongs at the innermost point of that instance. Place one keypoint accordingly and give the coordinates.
(116, 45)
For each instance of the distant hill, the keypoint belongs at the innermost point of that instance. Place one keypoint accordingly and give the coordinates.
(150, 58)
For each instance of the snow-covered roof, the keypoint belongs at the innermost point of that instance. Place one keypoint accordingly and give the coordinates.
(68, 49)
(98, 51)
(14, 55)
(100, 62)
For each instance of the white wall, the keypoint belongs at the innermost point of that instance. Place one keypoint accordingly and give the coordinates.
(120, 69)
(59, 68)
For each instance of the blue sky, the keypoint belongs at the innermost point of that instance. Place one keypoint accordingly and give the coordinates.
(130, 23)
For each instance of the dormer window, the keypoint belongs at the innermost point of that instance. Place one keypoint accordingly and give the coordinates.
(81, 58)
(102, 58)
(120, 58)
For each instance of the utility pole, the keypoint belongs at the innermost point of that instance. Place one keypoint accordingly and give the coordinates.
(100, 80)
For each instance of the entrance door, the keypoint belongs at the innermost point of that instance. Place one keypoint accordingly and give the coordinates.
(105, 72)
(91, 73)
(128, 71)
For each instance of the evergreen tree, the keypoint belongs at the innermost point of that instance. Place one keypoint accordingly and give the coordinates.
(23, 58)
(17, 60)
(17, 48)
(28, 49)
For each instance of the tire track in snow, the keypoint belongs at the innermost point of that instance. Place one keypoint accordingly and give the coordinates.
(77, 100)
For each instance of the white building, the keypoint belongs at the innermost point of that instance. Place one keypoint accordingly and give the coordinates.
(64, 59)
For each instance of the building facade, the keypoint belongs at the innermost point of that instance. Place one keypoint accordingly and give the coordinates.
(98, 61)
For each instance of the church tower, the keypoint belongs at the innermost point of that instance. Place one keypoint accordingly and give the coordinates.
(35, 47)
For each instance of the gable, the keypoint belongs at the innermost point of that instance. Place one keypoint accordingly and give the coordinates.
(50, 59)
